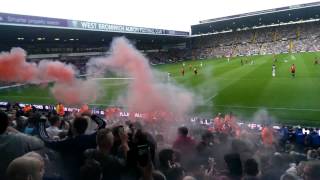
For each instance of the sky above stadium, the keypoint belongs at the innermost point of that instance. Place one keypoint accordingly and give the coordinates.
(166, 14)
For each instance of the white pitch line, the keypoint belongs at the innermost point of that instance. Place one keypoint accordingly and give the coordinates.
(275, 108)
(213, 96)
(112, 78)
(11, 86)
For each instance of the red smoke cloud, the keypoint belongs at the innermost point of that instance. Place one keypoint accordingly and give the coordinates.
(67, 89)
(56, 71)
(143, 97)
(78, 93)
(145, 94)
(14, 68)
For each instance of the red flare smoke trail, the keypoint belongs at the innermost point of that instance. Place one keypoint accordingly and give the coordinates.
(56, 71)
(67, 89)
(145, 93)
(14, 68)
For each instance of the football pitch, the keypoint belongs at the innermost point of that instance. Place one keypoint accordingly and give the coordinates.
(227, 87)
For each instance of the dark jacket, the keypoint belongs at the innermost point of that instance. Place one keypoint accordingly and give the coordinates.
(112, 166)
(71, 149)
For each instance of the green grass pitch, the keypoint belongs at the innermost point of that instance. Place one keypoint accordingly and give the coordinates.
(228, 87)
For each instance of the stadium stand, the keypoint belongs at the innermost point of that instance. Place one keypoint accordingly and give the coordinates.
(270, 40)
(274, 31)
(85, 146)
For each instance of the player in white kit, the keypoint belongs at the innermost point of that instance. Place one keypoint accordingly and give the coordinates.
(273, 70)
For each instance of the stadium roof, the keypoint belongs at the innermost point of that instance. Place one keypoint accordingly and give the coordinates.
(259, 18)
(20, 30)
(36, 21)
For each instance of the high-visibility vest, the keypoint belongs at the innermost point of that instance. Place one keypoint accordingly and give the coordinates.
(84, 108)
(27, 108)
(267, 136)
(60, 109)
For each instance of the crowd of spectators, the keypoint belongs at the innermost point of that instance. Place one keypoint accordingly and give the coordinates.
(80, 59)
(269, 40)
(169, 56)
(43, 145)
(301, 37)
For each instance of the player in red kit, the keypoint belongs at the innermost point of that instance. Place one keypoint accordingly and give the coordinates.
(182, 71)
(293, 70)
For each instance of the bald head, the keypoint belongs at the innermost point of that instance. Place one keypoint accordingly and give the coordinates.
(311, 170)
(189, 178)
(29, 166)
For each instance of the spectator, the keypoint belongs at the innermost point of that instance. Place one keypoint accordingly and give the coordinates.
(167, 160)
(13, 144)
(277, 165)
(31, 127)
(112, 166)
(143, 138)
(161, 144)
(251, 169)
(29, 166)
(312, 155)
(184, 144)
(73, 147)
(234, 166)
(116, 139)
(308, 139)
(284, 135)
(175, 173)
(311, 170)
(315, 138)
(22, 122)
(189, 178)
(289, 177)
(204, 148)
(148, 172)
(91, 170)
(132, 156)
(267, 136)
(54, 131)
(299, 136)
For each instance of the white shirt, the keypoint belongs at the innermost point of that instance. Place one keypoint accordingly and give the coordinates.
(53, 132)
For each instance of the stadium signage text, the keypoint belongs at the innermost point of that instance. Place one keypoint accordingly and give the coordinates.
(31, 20)
(15, 19)
(115, 28)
